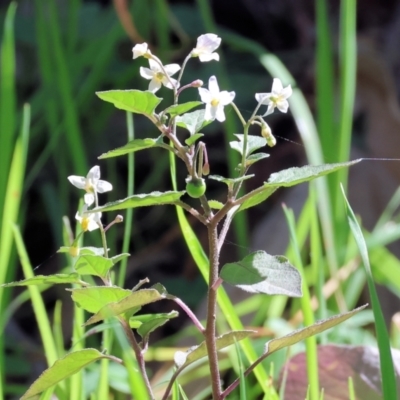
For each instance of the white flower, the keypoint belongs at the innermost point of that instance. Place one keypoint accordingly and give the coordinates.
(158, 77)
(215, 100)
(206, 44)
(140, 50)
(88, 221)
(277, 98)
(92, 184)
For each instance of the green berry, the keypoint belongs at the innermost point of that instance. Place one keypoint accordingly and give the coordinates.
(195, 187)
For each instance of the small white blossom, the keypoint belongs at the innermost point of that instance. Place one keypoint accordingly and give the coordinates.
(215, 100)
(277, 98)
(140, 50)
(88, 221)
(158, 77)
(92, 184)
(206, 45)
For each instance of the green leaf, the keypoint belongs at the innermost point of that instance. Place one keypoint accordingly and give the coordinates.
(193, 121)
(62, 369)
(132, 146)
(149, 323)
(230, 181)
(250, 160)
(141, 200)
(135, 299)
(259, 272)
(286, 178)
(294, 176)
(193, 138)
(134, 101)
(119, 257)
(94, 298)
(257, 197)
(179, 109)
(93, 265)
(83, 250)
(301, 334)
(47, 280)
(253, 143)
(184, 358)
(214, 204)
(385, 356)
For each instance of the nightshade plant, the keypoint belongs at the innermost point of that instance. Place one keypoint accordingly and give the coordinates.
(258, 272)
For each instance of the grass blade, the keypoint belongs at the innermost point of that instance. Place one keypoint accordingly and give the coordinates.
(38, 305)
(7, 99)
(387, 370)
(305, 301)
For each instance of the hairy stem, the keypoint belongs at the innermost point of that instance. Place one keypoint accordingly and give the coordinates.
(210, 333)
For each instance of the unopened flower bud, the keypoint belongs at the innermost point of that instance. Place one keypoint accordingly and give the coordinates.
(197, 83)
(206, 168)
(267, 134)
(74, 251)
(119, 218)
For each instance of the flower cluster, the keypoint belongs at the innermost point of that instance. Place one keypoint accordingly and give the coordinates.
(214, 99)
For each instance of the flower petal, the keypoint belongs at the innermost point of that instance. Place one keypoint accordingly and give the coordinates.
(94, 173)
(88, 198)
(205, 57)
(172, 69)
(209, 113)
(208, 41)
(226, 98)
(154, 66)
(77, 181)
(283, 106)
(205, 95)
(213, 86)
(154, 85)
(277, 86)
(146, 73)
(140, 50)
(263, 98)
(287, 92)
(219, 113)
(170, 83)
(103, 186)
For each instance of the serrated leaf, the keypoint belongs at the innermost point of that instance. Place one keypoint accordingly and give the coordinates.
(141, 200)
(183, 359)
(48, 280)
(94, 298)
(193, 138)
(296, 175)
(230, 181)
(132, 146)
(93, 265)
(150, 322)
(193, 121)
(215, 205)
(303, 333)
(62, 369)
(135, 299)
(259, 272)
(134, 101)
(179, 109)
(253, 143)
(83, 250)
(289, 177)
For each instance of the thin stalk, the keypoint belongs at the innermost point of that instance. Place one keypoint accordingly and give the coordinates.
(129, 211)
(138, 353)
(212, 311)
